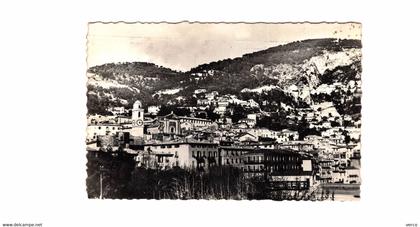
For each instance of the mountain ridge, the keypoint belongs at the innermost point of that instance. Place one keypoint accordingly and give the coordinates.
(298, 63)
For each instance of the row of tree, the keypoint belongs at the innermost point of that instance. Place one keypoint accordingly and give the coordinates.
(115, 176)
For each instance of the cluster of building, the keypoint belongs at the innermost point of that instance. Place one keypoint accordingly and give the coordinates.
(170, 141)
(222, 103)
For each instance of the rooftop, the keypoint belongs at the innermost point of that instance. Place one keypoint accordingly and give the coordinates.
(179, 142)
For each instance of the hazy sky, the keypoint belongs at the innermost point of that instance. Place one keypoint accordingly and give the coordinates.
(182, 46)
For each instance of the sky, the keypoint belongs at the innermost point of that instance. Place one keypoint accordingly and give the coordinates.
(181, 46)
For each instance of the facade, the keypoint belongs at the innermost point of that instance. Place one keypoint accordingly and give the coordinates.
(196, 122)
(181, 154)
(93, 132)
(264, 145)
(170, 126)
(287, 135)
(325, 172)
(352, 175)
(302, 181)
(317, 141)
(338, 176)
(232, 155)
(283, 168)
(297, 146)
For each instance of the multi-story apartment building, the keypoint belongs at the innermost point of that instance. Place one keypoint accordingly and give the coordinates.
(182, 154)
(284, 169)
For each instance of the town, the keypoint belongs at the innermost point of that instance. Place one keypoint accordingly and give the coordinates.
(212, 134)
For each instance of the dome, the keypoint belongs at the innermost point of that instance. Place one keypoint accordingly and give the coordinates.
(137, 104)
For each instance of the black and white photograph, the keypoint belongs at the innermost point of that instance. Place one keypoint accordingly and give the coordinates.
(232, 111)
(209, 113)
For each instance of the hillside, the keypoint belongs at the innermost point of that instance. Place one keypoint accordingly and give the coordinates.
(284, 64)
(120, 84)
(283, 74)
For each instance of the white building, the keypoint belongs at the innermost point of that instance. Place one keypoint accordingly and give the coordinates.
(252, 116)
(286, 135)
(182, 154)
(349, 175)
(196, 122)
(250, 122)
(154, 110)
(211, 95)
(117, 110)
(199, 91)
(253, 104)
(352, 175)
(248, 138)
(93, 132)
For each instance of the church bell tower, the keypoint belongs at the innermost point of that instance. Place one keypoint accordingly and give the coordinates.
(137, 119)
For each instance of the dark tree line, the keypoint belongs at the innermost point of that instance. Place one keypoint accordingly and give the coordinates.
(116, 174)
(122, 180)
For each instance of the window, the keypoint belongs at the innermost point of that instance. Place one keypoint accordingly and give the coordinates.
(176, 145)
(99, 127)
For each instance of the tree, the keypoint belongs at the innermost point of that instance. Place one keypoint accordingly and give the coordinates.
(347, 139)
(212, 115)
(239, 112)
